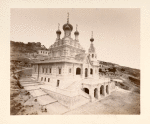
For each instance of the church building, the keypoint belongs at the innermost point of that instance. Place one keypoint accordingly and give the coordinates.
(70, 74)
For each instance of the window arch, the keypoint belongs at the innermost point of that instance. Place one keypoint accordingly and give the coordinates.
(78, 71)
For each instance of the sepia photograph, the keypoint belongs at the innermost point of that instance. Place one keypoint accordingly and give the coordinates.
(75, 61)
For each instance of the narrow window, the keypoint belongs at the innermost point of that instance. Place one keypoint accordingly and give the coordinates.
(92, 55)
(91, 71)
(70, 70)
(57, 83)
(48, 79)
(41, 78)
(43, 70)
(59, 71)
(50, 70)
(45, 79)
(46, 70)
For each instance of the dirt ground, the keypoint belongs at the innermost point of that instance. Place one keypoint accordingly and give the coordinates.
(119, 102)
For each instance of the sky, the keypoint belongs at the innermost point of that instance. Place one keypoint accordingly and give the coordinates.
(116, 32)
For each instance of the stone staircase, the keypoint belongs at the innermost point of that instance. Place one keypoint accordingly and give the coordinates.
(75, 85)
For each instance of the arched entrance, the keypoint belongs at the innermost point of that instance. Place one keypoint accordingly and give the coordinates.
(86, 72)
(107, 90)
(102, 90)
(86, 90)
(96, 93)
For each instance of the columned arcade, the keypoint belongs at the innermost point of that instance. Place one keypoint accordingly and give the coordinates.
(98, 91)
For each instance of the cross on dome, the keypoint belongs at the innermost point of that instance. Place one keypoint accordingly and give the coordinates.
(76, 27)
(58, 26)
(68, 18)
(92, 39)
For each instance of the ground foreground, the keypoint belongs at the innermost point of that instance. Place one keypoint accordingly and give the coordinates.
(120, 102)
(32, 100)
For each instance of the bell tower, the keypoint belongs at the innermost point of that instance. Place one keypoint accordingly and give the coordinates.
(92, 52)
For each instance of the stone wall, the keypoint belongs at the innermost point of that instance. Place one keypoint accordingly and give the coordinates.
(66, 100)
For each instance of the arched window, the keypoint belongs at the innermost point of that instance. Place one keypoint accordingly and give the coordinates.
(41, 78)
(91, 71)
(46, 70)
(43, 70)
(78, 71)
(45, 79)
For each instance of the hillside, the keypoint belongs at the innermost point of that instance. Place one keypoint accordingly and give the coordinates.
(27, 53)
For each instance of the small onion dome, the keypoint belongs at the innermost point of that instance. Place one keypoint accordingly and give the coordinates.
(67, 26)
(58, 32)
(76, 33)
(92, 39)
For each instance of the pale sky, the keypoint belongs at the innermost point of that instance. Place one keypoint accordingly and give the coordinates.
(116, 32)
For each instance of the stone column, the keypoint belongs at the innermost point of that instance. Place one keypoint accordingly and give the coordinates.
(91, 94)
(73, 70)
(83, 71)
(88, 72)
(109, 88)
(104, 89)
(98, 87)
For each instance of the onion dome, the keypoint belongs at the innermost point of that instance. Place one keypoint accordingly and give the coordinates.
(92, 39)
(76, 32)
(58, 31)
(67, 26)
